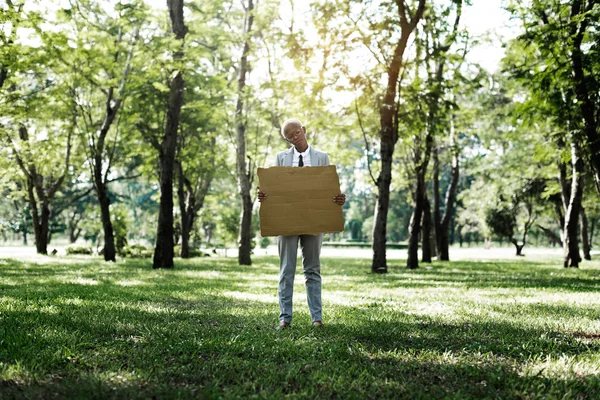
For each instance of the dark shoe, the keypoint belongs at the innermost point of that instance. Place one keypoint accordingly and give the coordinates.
(318, 324)
(283, 325)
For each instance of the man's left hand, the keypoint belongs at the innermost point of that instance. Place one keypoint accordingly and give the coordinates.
(339, 199)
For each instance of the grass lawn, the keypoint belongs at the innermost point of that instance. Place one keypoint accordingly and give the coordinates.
(81, 328)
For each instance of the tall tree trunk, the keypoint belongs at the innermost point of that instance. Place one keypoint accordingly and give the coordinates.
(571, 245)
(244, 170)
(414, 227)
(24, 230)
(559, 210)
(592, 233)
(580, 19)
(163, 253)
(388, 135)
(39, 225)
(185, 201)
(109, 238)
(585, 240)
(187, 222)
(437, 214)
(449, 201)
(565, 194)
(426, 233)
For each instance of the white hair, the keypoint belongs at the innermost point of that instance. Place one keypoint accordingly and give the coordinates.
(288, 122)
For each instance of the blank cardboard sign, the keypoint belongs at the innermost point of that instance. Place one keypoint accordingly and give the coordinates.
(299, 201)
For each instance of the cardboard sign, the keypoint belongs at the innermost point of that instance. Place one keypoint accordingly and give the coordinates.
(299, 201)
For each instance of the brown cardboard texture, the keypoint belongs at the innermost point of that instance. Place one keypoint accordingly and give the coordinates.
(299, 201)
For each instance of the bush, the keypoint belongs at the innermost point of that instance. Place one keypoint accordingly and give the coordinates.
(193, 252)
(137, 251)
(87, 250)
(265, 242)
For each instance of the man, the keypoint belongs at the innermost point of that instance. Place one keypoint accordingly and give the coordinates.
(300, 155)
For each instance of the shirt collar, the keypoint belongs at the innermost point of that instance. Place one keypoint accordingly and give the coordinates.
(303, 154)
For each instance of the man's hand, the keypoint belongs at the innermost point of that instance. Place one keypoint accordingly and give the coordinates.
(261, 195)
(339, 199)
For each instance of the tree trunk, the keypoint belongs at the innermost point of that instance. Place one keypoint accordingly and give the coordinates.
(244, 170)
(74, 230)
(592, 233)
(437, 214)
(518, 246)
(571, 246)
(426, 233)
(586, 104)
(39, 217)
(187, 221)
(585, 241)
(245, 248)
(565, 194)
(74, 233)
(559, 210)
(190, 203)
(185, 201)
(449, 201)
(163, 253)
(551, 235)
(379, 264)
(24, 230)
(414, 227)
(109, 238)
(388, 135)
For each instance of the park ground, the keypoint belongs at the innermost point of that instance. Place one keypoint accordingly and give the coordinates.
(486, 325)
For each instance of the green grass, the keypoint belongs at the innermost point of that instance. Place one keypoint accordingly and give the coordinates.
(81, 328)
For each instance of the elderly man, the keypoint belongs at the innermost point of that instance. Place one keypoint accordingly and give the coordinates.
(300, 155)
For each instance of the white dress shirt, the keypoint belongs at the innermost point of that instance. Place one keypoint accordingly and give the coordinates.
(305, 157)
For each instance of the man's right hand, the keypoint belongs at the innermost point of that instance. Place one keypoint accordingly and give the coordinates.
(261, 195)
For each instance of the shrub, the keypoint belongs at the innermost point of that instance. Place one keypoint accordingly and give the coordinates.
(265, 242)
(193, 252)
(137, 251)
(87, 250)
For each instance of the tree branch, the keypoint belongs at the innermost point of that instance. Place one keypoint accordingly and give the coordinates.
(366, 142)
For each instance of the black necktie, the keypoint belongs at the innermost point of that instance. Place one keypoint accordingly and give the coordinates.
(300, 161)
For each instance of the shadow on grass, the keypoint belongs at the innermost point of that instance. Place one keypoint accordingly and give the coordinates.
(209, 353)
(176, 334)
(485, 275)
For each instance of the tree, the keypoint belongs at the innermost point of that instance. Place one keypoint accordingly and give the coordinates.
(30, 82)
(555, 71)
(244, 172)
(96, 47)
(507, 217)
(389, 131)
(163, 252)
(423, 147)
(501, 219)
(41, 187)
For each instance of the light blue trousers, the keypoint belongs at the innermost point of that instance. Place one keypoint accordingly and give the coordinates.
(311, 264)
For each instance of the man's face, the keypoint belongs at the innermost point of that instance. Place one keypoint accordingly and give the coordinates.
(296, 135)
